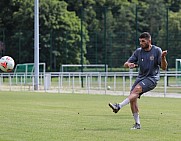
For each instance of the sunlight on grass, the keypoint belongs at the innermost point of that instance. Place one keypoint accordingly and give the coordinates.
(68, 117)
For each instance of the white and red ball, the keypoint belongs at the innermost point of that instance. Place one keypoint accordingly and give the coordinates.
(7, 63)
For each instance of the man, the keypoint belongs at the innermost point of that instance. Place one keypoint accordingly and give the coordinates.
(149, 58)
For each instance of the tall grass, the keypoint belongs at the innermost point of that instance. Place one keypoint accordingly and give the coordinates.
(81, 117)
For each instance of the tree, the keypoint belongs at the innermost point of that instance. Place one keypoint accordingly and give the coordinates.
(59, 32)
(174, 5)
(7, 26)
(107, 21)
(172, 43)
(107, 30)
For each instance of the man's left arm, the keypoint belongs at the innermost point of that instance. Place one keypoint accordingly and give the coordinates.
(163, 60)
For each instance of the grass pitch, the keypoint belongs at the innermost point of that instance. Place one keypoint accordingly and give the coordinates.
(26, 116)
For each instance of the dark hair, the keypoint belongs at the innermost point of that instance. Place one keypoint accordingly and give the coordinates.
(145, 35)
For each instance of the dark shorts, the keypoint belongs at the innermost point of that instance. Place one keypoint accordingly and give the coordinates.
(146, 84)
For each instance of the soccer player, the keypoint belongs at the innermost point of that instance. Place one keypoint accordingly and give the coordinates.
(149, 58)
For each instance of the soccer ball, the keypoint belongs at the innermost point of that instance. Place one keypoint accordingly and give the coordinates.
(108, 87)
(7, 63)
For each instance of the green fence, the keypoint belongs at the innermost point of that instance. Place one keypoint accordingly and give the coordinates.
(27, 71)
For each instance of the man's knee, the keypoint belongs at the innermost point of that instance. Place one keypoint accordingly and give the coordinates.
(137, 89)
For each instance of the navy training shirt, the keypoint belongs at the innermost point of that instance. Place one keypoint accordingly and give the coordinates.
(149, 62)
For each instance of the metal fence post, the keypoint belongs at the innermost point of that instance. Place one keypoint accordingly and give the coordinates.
(165, 84)
(123, 84)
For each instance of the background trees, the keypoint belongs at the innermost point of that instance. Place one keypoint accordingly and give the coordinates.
(59, 33)
(104, 31)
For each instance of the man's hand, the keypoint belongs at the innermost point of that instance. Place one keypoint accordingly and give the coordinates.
(164, 53)
(163, 60)
(130, 65)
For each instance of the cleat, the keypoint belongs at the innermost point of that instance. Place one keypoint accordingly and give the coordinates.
(136, 126)
(115, 107)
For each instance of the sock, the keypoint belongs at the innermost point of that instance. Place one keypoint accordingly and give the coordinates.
(125, 102)
(136, 118)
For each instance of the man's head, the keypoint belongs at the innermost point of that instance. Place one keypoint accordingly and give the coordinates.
(145, 40)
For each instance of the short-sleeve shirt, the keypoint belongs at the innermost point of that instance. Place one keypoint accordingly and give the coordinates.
(148, 61)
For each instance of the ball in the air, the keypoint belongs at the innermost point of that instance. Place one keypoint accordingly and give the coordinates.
(108, 87)
(7, 63)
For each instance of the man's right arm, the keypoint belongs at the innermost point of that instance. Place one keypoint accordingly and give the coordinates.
(129, 65)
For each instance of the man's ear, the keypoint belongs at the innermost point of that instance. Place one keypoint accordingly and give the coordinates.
(149, 41)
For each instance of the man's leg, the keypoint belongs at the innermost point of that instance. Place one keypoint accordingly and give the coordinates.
(134, 106)
(132, 97)
(135, 111)
(139, 87)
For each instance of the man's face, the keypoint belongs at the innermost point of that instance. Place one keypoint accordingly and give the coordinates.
(144, 43)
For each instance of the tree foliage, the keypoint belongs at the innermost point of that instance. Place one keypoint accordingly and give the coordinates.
(57, 26)
(104, 31)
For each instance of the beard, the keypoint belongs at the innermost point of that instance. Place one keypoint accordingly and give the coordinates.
(145, 47)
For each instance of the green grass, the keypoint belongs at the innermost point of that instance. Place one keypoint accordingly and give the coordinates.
(81, 117)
